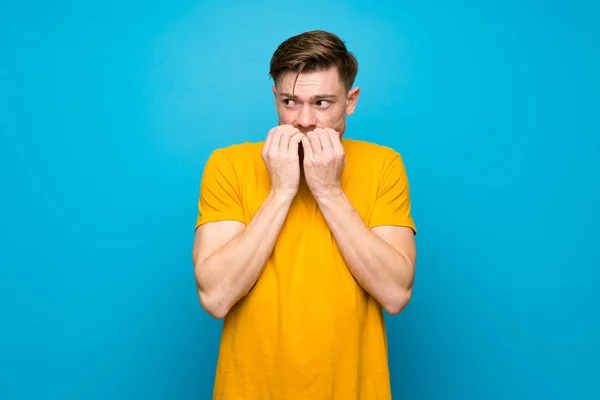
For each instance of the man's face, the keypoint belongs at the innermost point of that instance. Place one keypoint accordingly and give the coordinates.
(317, 100)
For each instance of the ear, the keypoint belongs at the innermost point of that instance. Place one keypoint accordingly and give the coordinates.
(351, 100)
(275, 96)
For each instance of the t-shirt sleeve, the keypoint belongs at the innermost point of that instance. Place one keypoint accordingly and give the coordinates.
(220, 198)
(392, 205)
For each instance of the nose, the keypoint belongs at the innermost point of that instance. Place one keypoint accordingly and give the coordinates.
(306, 118)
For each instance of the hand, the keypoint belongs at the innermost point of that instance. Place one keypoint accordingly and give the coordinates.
(324, 161)
(280, 154)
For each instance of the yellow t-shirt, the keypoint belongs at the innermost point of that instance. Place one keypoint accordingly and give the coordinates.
(306, 330)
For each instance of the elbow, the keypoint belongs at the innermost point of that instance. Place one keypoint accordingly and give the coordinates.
(211, 299)
(399, 302)
(217, 313)
(212, 304)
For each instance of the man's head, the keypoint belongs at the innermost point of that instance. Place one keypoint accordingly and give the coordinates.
(313, 74)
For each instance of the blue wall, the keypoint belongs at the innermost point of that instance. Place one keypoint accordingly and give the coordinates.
(109, 111)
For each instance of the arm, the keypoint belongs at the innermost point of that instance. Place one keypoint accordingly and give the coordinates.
(229, 257)
(381, 259)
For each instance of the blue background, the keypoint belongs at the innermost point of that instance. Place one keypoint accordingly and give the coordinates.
(110, 109)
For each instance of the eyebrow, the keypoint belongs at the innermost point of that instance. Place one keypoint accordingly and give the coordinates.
(315, 97)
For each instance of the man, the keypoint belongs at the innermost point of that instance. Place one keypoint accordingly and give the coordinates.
(302, 240)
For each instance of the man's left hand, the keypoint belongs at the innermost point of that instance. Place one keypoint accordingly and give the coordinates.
(324, 161)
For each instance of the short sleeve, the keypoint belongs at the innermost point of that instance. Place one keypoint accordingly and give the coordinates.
(392, 203)
(220, 198)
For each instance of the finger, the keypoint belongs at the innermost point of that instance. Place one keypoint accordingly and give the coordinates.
(294, 143)
(268, 141)
(325, 140)
(269, 138)
(307, 145)
(275, 142)
(336, 141)
(286, 135)
(284, 141)
(315, 143)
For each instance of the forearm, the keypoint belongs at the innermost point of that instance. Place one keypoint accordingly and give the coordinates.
(229, 273)
(385, 273)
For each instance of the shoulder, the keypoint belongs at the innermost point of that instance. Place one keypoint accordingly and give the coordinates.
(237, 155)
(363, 152)
(238, 150)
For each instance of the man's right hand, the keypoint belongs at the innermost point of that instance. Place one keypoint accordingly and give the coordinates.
(280, 154)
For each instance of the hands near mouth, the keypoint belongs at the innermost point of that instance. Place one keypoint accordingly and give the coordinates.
(324, 160)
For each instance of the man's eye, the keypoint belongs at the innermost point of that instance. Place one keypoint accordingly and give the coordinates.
(323, 103)
(288, 102)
